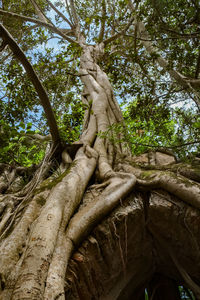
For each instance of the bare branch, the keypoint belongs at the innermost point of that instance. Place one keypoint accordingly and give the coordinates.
(114, 37)
(166, 147)
(36, 21)
(103, 20)
(39, 137)
(59, 13)
(6, 36)
(39, 12)
(69, 12)
(74, 13)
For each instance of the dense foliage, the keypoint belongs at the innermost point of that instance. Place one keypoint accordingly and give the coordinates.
(158, 111)
(54, 87)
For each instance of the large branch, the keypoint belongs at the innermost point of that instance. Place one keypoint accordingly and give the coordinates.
(39, 22)
(146, 42)
(6, 36)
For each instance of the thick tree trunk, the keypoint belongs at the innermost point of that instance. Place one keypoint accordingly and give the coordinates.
(106, 225)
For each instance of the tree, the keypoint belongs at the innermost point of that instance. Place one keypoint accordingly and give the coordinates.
(90, 221)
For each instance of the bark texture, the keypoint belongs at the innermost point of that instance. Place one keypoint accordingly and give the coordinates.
(136, 247)
(108, 226)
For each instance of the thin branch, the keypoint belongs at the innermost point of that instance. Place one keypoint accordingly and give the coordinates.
(178, 34)
(39, 12)
(198, 66)
(36, 21)
(163, 38)
(114, 37)
(103, 21)
(74, 13)
(135, 42)
(171, 147)
(59, 13)
(39, 137)
(6, 36)
(69, 12)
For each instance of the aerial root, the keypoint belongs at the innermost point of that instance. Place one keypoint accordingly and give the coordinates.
(186, 277)
(120, 248)
(84, 221)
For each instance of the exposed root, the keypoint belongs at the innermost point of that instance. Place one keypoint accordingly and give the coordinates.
(120, 249)
(46, 238)
(23, 201)
(82, 223)
(180, 186)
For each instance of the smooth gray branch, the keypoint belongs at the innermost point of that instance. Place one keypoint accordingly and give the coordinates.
(59, 13)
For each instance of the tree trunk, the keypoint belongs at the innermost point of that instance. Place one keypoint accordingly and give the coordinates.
(108, 223)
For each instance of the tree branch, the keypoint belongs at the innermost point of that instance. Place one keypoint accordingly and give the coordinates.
(74, 13)
(69, 12)
(178, 77)
(198, 66)
(36, 21)
(39, 12)
(39, 137)
(180, 186)
(114, 37)
(6, 36)
(103, 20)
(171, 147)
(59, 13)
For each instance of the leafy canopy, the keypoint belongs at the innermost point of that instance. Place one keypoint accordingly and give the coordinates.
(158, 111)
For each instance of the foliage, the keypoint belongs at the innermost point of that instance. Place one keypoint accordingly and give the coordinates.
(157, 111)
(18, 147)
(156, 126)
